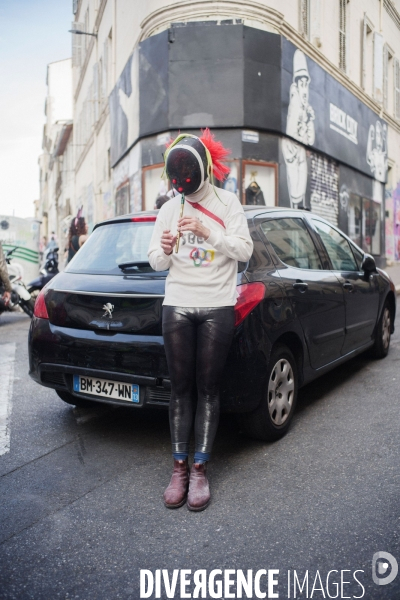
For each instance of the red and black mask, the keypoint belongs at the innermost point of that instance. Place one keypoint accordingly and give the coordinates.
(186, 166)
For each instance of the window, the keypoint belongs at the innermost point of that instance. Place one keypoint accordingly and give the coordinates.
(337, 247)
(342, 35)
(112, 245)
(367, 55)
(292, 242)
(259, 181)
(359, 256)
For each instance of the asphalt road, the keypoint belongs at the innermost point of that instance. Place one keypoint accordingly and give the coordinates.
(81, 510)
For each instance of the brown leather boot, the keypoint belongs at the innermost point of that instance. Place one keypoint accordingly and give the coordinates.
(176, 493)
(199, 491)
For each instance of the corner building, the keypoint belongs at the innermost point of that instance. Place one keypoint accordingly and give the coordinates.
(305, 130)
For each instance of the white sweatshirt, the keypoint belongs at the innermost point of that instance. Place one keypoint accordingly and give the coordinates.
(203, 273)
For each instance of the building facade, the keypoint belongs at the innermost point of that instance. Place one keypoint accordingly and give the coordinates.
(306, 94)
(56, 163)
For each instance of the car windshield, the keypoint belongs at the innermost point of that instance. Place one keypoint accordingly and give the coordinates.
(115, 249)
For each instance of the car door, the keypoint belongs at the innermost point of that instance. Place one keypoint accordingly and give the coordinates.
(316, 296)
(360, 289)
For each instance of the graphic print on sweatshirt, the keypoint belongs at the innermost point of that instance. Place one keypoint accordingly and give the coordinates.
(201, 257)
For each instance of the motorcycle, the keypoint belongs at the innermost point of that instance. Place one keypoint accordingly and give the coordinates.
(47, 272)
(20, 296)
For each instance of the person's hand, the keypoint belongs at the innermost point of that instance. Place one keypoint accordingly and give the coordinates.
(6, 297)
(168, 241)
(195, 226)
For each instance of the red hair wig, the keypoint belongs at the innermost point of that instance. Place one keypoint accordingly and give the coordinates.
(218, 153)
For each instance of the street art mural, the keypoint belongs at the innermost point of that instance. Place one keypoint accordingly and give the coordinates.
(377, 151)
(396, 211)
(324, 196)
(299, 125)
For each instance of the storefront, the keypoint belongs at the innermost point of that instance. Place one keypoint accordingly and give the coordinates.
(297, 137)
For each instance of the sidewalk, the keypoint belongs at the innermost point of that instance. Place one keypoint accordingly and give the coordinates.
(394, 273)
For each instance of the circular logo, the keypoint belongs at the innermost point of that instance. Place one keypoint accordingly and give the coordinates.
(4, 224)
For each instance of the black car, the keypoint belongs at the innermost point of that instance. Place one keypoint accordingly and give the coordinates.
(308, 300)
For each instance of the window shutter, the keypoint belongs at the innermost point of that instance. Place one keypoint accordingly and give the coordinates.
(77, 45)
(378, 67)
(305, 18)
(74, 6)
(396, 66)
(342, 35)
(385, 76)
(105, 70)
(364, 53)
(95, 91)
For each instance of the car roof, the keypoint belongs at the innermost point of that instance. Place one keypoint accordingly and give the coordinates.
(250, 212)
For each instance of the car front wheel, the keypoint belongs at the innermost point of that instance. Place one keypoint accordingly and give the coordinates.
(271, 420)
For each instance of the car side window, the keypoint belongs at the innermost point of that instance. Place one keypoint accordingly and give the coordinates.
(292, 242)
(337, 247)
(359, 256)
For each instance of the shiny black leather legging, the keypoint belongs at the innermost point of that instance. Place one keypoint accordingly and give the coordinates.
(197, 342)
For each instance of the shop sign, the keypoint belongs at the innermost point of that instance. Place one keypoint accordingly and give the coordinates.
(341, 122)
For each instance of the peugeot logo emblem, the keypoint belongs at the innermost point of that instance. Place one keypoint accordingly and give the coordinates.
(108, 308)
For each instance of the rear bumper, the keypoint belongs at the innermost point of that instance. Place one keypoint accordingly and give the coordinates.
(57, 353)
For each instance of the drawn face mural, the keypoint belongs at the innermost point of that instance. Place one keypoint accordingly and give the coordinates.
(300, 126)
(377, 151)
(186, 166)
(302, 85)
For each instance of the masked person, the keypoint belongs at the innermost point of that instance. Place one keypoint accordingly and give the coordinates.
(200, 294)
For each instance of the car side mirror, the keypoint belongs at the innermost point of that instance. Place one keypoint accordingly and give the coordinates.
(368, 264)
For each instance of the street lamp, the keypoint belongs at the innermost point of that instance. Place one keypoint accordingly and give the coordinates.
(78, 32)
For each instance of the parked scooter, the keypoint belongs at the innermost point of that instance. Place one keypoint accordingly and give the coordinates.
(19, 294)
(47, 272)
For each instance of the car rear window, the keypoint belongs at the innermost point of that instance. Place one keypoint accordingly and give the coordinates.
(124, 244)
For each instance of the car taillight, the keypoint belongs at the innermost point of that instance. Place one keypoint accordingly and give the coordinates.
(250, 294)
(144, 219)
(40, 309)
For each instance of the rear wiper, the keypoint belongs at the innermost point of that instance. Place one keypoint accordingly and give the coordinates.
(134, 265)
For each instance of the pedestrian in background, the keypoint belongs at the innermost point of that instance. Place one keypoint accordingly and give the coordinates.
(78, 234)
(4, 278)
(161, 200)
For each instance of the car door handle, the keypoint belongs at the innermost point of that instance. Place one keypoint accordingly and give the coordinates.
(348, 286)
(300, 285)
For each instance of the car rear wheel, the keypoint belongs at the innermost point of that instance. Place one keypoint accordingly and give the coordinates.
(383, 332)
(271, 420)
(73, 400)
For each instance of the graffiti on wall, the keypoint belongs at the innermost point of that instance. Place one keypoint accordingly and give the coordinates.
(396, 214)
(299, 125)
(377, 150)
(324, 180)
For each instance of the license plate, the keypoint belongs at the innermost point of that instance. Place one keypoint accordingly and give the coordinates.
(106, 389)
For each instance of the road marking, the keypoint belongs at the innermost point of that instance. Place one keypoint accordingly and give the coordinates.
(7, 360)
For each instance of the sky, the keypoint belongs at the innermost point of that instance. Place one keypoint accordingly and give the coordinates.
(33, 33)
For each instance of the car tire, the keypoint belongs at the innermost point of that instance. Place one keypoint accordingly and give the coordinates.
(73, 400)
(383, 329)
(271, 420)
